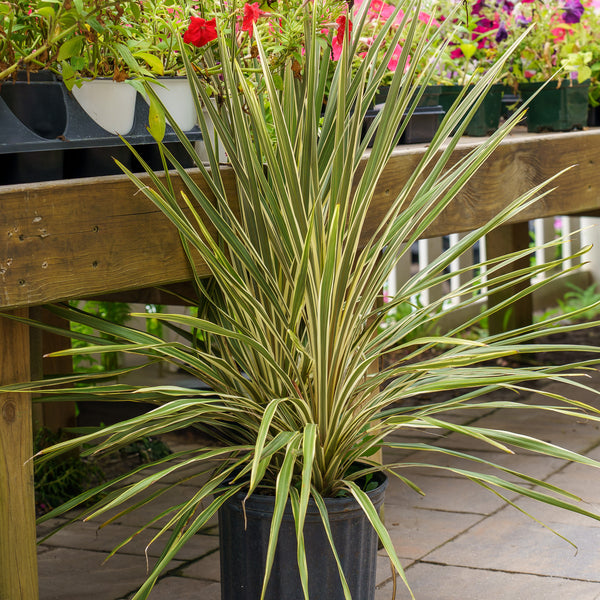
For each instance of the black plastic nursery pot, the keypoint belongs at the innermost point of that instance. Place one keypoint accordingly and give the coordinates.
(487, 117)
(510, 102)
(593, 116)
(244, 549)
(429, 97)
(420, 129)
(559, 106)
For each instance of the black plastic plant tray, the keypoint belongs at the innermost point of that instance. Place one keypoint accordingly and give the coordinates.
(80, 130)
(54, 138)
(420, 129)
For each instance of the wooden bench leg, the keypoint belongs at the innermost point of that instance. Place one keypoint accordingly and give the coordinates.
(505, 239)
(18, 558)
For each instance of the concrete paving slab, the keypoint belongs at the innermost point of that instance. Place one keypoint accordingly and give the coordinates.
(48, 526)
(417, 532)
(66, 574)
(142, 515)
(536, 466)
(195, 474)
(553, 516)
(209, 568)
(384, 567)
(515, 543)
(582, 480)
(183, 588)
(449, 494)
(87, 536)
(576, 436)
(589, 378)
(573, 433)
(438, 582)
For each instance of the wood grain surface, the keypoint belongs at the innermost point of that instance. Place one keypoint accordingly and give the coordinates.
(18, 559)
(87, 237)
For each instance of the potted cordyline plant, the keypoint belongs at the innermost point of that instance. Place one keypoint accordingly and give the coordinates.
(287, 331)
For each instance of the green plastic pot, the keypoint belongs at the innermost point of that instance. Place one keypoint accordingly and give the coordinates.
(430, 97)
(487, 117)
(556, 108)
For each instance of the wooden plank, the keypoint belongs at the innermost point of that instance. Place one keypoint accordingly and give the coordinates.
(521, 162)
(82, 238)
(18, 560)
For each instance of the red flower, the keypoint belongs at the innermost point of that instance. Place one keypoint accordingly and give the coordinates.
(200, 32)
(338, 39)
(251, 15)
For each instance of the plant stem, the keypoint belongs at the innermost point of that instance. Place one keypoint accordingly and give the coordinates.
(10, 70)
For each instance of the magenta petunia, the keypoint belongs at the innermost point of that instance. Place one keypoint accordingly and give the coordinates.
(572, 11)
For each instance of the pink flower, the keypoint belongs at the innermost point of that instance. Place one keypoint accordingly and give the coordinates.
(393, 64)
(560, 33)
(399, 17)
(381, 10)
(427, 19)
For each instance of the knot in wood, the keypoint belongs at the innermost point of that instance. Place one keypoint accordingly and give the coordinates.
(9, 411)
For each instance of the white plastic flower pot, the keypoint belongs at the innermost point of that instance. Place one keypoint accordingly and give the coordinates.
(200, 145)
(109, 103)
(177, 98)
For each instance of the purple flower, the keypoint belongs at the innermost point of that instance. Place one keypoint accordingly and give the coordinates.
(522, 21)
(505, 5)
(573, 10)
(501, 34)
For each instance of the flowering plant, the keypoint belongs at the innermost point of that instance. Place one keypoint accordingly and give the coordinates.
(591, 42)
(280, 25)
(557, 45)
(378, 13)
(88, 39)
(30, 35)
(156, 26)
(476, 37)
(72, 39)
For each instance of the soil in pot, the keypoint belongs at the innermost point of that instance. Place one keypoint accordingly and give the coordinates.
(244, 549)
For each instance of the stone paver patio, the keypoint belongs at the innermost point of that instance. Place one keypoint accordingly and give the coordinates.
(459, 542)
